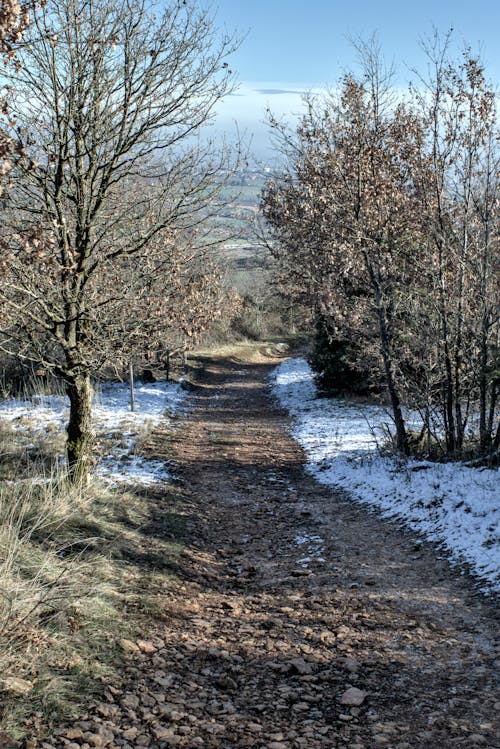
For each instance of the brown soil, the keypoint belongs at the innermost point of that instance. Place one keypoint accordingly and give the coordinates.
(259, 649)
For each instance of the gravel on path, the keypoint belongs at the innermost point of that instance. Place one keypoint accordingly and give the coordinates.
(303, 621)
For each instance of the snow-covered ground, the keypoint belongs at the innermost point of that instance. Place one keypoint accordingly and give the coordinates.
(116, 427)
(449, 503)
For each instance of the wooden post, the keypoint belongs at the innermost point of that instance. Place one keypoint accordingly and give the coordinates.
(167, 365)
(131, 383)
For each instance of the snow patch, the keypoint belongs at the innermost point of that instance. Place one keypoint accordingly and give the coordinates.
(449, 503)
(136, 469)
(312, 544)
(112, 417)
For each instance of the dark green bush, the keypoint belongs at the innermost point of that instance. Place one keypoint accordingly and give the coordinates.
(333, 361)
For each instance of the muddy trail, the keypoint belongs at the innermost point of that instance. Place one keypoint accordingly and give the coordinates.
(303, 621)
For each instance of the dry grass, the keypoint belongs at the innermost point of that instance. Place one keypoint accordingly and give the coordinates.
(29, 452)
(75, 563)
(247, 351)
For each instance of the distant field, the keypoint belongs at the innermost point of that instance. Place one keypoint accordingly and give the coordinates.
(245, 260)
(243, 194)
(246, 265)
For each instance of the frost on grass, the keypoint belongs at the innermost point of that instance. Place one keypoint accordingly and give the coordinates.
(117, 428)
(451, 504)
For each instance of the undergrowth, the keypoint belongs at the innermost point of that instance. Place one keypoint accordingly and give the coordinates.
(423, 446)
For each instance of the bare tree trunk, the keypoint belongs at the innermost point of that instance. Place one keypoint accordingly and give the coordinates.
(496, 440)
(448, 416)
(401, 436)
(79, 429)
(486, 416)
(484, 433)
(388, 358)
(491, 417)
(458, 354)
(131, 385)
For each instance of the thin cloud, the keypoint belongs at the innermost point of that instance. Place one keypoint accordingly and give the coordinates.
(273, 91)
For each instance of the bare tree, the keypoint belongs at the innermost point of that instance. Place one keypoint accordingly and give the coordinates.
(348, 213)
(459, 197)
(109, 100)
(385, 221)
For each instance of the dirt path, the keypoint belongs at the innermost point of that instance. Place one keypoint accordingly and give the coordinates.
(304, 621)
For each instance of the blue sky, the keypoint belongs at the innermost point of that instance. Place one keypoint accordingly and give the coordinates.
(293, 45)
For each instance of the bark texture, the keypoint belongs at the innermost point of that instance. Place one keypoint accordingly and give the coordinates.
(80, 434)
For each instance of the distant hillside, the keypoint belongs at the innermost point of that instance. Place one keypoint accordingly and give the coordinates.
(246, 261)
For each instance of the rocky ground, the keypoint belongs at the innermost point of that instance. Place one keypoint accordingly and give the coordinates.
(303, 621)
